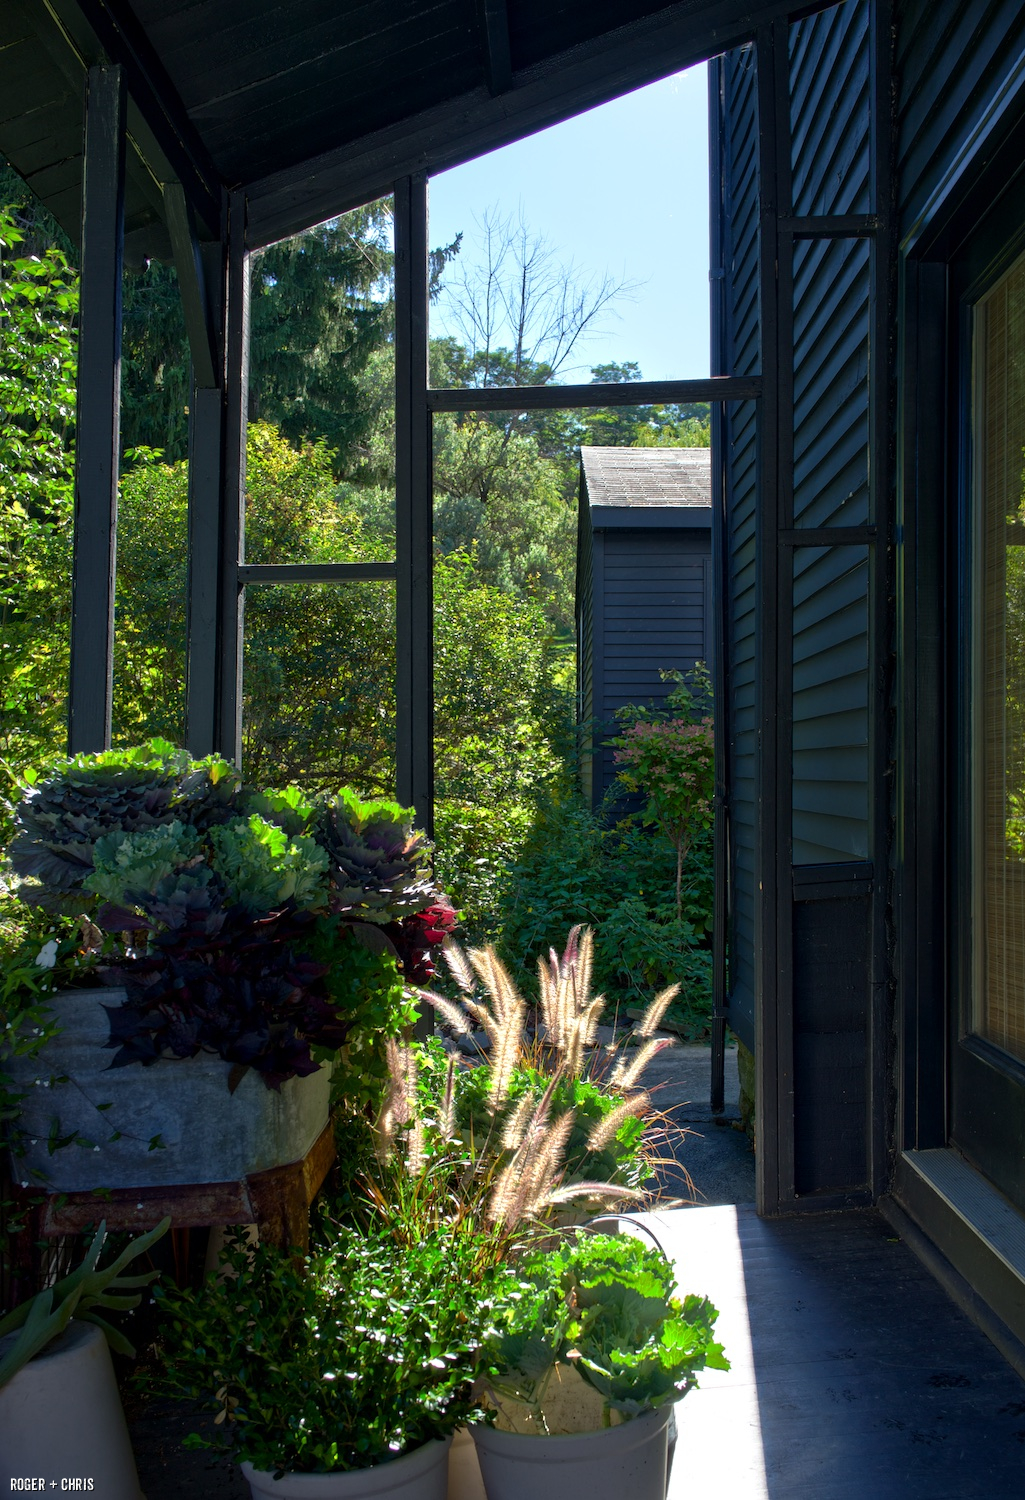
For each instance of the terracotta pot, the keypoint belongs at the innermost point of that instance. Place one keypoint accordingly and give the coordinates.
(205, 1132)
(611, 1464)
(61, 1418)
(419, 1475)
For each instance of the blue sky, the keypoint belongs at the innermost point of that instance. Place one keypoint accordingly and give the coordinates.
(622, 189)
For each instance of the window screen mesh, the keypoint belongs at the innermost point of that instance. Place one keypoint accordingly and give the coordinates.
(998, 664)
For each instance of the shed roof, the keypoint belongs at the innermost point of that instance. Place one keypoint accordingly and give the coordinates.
(647, 478)
(313, 109)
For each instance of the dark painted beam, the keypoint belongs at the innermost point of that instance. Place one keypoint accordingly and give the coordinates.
(231, 511)
(460, 129)
(493, 19)
(122, 38)
(206, 473)
(315, 572)
(720, 600)
(564, 397)
(773, 1042)
(98, 423)
(188, 261)
(414, 591)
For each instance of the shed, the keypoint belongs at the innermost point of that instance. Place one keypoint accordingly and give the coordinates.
(644, 585)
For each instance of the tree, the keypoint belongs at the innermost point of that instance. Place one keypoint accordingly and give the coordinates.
(519, 311)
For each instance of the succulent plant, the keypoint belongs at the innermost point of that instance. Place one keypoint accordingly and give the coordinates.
(44, 1317)
(380, 867)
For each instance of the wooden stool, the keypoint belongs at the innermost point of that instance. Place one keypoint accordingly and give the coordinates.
(277, 1201)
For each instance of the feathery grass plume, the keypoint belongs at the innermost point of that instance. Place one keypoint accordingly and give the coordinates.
(511, 1179)
(605, 1130)
(458, 966)
(447, 1114)
(448, 1011)
(516, 1125)
(535, 1169)
(400, 1106)
(415, 1147)
(609, 1190)
(582, 1035)
(503, 1020)
(625, 1075)
(656, 1010)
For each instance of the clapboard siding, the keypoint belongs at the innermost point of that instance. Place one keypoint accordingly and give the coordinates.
(952, 60)
(829, 80)
(643, 606)
(585, 652)
(739, 354)
(831, 312)
(830, 83)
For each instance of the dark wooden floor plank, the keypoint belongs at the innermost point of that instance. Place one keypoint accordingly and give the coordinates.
(855, 1377)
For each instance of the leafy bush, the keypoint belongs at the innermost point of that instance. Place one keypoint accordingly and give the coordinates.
(670, 758)
(361, 1353)
(575, 867)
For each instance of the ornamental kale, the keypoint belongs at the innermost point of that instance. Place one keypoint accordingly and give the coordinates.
(222, 908)
(380, 868)
(604, 1305)
(263, 868)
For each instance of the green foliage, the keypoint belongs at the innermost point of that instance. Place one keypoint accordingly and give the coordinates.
(671, 760)
(78, 1295)
(574, 866)
(361, 1353)
(366, 987)
(603, 1304)
(38, 308)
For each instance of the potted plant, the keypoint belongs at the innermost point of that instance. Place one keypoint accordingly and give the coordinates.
(589, 1351)
(220, 919)
(60, 1413)
(335, 1377)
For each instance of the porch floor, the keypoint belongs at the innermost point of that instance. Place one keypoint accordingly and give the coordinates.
(855, 1377)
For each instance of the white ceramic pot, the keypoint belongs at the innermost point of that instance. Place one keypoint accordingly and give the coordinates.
(627, 1462)
(205, 1132)
(61, 1419)
(419, 1475)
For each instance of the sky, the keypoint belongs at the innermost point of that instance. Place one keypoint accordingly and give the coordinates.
(622, 189)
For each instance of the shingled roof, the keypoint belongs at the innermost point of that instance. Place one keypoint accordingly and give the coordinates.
(645, 478)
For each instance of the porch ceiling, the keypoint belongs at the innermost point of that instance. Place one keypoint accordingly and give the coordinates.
(315, 108)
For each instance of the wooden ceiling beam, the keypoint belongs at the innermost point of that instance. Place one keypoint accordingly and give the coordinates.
(493, 19)
(691, 31)
(158, 124)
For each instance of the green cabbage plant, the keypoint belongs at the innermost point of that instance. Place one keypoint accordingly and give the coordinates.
(604, 1306)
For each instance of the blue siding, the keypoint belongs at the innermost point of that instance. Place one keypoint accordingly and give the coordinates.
(952, 60)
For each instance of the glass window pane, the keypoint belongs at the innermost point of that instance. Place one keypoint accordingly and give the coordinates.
(321, 481)
(998, 664)
(318, 679)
